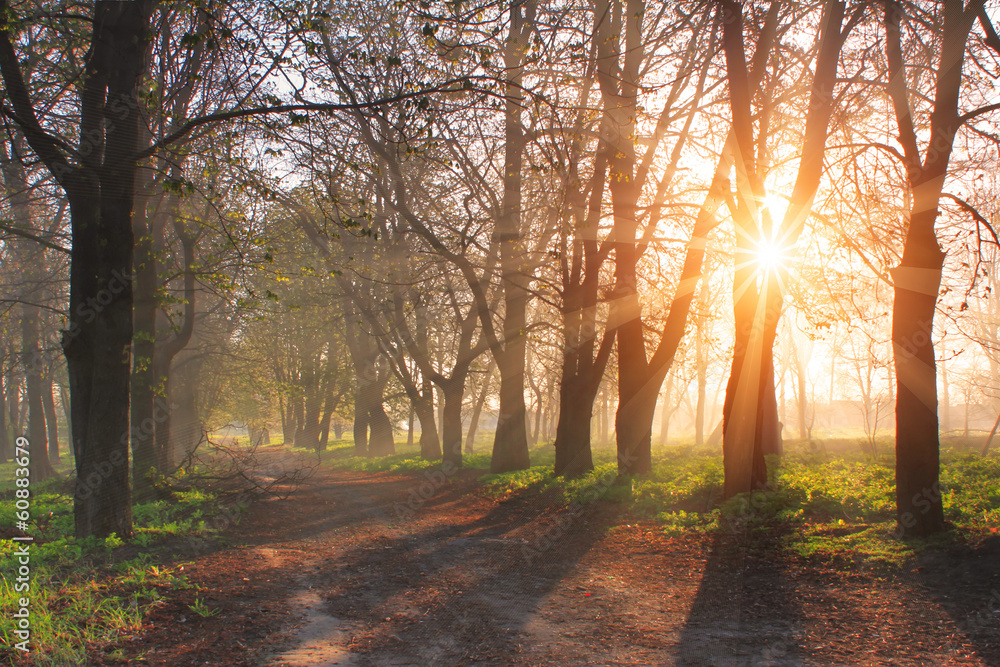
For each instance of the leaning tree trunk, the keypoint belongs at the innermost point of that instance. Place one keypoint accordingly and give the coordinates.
(477, 410)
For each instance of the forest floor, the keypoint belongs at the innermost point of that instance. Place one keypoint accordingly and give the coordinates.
(378, 568)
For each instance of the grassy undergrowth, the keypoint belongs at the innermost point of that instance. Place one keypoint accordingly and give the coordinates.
(834, 503)
(88, 595)
(340, 455)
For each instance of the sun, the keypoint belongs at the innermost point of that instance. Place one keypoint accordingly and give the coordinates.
(769, 255)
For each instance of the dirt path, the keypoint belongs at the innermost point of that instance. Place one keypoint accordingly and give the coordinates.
(384, 569)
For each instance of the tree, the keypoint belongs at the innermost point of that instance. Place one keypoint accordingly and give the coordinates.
(100, 190)
(917, 278)
(750, 413)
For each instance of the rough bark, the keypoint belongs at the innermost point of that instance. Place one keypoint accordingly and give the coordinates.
(100, 191)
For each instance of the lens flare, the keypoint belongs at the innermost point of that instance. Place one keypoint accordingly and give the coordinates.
(770, 256)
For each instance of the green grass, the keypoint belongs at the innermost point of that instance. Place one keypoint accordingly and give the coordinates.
(340, 455)
(87, 595)
(829, 500)
(63, 468)
(835, 503)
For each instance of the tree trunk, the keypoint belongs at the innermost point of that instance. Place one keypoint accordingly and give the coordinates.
(299, 415)
(751, 413)
(13, 391)
(312, 416)
(100, 190)
(451, 432)
(144, 381)
(802, 397)
(65, 401)
(51, 421)
(179, 429)
(477, 411)
(362, 401)
(382, 441)
(6, 447)
(917, 278)
(430, 445)
(31, 356)
(510, 443)
(573, 452)
(702, 381)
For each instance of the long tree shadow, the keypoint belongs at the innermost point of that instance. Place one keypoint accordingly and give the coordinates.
(744, 612)
(335, 503)
(429, 595)
(965, 583)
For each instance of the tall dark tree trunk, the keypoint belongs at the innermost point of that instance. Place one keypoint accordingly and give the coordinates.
(917, 278)
(100, 190)
(330, 402)
(312, 406)
(572, 444)
(918, 496)
(584, 359)
(619, 38)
